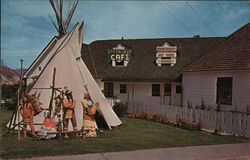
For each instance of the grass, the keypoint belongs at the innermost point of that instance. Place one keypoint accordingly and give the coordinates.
(132, 135)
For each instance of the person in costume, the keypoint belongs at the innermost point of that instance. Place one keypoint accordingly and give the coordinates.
(27, 112)
(48, 128)
(89, 110)
(68, 112)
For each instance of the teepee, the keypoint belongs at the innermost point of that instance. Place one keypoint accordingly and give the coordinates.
(60, 64)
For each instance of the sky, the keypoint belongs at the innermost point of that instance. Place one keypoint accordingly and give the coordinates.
(26, 27)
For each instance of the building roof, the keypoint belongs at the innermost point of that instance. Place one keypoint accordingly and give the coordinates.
(142, 66)
(232, 54)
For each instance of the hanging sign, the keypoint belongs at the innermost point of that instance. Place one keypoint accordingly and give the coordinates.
(165, 54)
(166, 61)
(166, 48)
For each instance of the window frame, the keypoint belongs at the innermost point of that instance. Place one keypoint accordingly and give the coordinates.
(178, 89)
(224, 85)
(108, 89)
(167, 91)
(123, 88)
(154, 91)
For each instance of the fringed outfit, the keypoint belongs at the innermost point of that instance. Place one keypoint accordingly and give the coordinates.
(89, 124)
(69, 114)
(27, 113)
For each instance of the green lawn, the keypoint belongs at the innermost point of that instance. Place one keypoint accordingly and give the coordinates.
(133, 134)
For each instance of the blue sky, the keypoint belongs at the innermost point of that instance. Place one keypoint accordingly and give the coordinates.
(26, 28)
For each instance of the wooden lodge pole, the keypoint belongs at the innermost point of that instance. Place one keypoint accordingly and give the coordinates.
(19, 95)
(18, 119)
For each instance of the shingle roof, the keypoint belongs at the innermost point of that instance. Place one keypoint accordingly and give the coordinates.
(141, 66)
(232, 54)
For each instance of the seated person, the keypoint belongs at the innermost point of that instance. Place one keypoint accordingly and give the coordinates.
(48, 128)
(49, 122)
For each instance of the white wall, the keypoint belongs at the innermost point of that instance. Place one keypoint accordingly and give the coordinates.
(100, 84)
(136, 91)
(141, 92)
(175, 97)
(202, 85)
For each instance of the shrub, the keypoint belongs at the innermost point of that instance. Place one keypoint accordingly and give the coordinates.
(156, 118)
(11, 105)
(194, 126)
(9, 91)
(120, 109)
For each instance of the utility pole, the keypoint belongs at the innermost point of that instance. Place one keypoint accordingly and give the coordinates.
(21, 78)
(1, 81)
(19, 99)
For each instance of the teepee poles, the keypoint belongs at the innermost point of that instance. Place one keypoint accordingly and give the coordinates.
(18, 119)
(15, 113)
(53, 90)
(62, 25)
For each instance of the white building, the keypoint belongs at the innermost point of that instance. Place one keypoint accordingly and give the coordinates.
(221, 77)
(170, 71)
(144, 70)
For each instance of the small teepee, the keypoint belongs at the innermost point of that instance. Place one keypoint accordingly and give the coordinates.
(60, 65)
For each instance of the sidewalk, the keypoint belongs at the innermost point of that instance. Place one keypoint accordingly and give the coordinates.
(211, 152)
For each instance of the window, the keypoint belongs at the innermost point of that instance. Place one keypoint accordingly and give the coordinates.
(178, 88)
(155, 89)
(224, 90)
(123, 88)
(165, 64)
(108, 89)
(167, 89)
(119, 63)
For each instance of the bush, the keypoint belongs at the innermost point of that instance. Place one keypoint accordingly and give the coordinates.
(120, 109)
(9, 91)
(11, 105)
(193, 126)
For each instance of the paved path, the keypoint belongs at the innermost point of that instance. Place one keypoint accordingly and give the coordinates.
(211, 152)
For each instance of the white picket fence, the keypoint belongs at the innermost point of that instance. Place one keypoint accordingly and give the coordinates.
(225, 122)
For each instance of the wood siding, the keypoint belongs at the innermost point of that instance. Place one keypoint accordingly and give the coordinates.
(201, 86)
(141, 92)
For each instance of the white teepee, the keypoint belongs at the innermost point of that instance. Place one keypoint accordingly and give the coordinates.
(64, 54)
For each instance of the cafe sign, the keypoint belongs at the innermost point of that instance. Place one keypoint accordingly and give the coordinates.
(119, 56)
